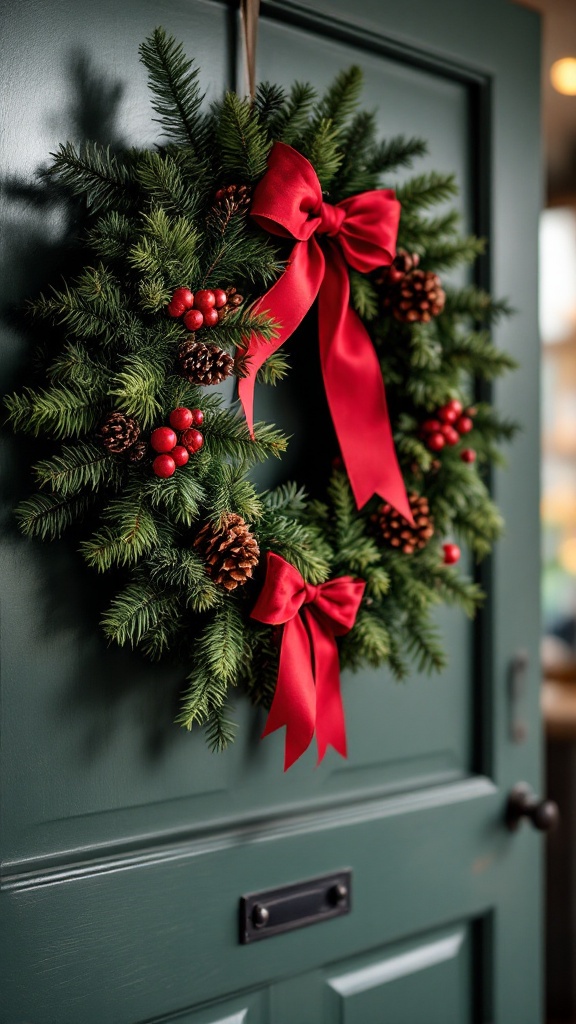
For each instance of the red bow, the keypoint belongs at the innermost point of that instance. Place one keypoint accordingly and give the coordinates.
(360, 231)
(307, 696)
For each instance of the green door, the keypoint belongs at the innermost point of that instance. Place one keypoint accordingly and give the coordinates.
(126, 845)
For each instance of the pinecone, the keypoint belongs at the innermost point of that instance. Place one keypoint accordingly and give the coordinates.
(233, 300)
(397, 532)
(137, 451)
(203, 364)
(230, 553)
(233, 198)
(118, 432)
(411, 294)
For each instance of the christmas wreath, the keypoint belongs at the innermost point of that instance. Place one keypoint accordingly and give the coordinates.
(196, 261)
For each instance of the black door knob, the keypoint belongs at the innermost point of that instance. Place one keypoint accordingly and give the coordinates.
(523, 804)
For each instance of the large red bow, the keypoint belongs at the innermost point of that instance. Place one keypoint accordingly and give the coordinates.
(360, 231)
(307, 696)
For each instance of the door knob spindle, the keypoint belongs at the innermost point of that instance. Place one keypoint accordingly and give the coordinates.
(522, 803)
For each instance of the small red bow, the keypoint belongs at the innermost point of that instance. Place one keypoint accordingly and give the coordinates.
(307, 696)
(360, 231)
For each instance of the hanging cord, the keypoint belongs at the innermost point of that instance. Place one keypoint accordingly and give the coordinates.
(249, 11)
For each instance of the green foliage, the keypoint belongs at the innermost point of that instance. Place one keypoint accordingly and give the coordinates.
(93, 173)
(173, 82)
(154, 224)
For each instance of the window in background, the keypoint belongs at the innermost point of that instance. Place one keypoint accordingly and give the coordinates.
(558, 333)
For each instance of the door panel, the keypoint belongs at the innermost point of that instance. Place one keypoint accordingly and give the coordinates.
(432, 973)
(126, 844)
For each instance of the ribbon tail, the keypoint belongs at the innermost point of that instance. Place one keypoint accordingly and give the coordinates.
(356, 394)
(287, 302)
(330, 721)
(294, 703)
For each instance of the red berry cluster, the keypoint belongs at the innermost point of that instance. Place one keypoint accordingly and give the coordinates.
(203, 308)
(165, 440)
(451, 422)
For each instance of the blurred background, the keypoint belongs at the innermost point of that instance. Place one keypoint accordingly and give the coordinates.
(558, 336)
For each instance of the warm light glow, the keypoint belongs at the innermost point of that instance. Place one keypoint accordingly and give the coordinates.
(563, 75)
(567, 555)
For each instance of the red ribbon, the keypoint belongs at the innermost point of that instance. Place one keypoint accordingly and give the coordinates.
(360, 231)
(307, 696)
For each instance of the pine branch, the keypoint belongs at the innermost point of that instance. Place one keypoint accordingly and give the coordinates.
(95, 174)
(395, 153)
(243, 142)
(363, 296)
(180, 497)
(220, 731)
(270, 101)
(47, 515)
(167, 249)
(130, 533)
(227, 436)
(474, 303)
(426, 190)
(162, 177)
(173, 82)
(290, 121)
(135, 612)
(74, 468)
(60, 412)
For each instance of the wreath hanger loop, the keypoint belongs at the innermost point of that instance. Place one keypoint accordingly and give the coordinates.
(249, 12)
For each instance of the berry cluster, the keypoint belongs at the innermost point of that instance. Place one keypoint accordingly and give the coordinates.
(203, 308)
(164, 440)
(450, 423)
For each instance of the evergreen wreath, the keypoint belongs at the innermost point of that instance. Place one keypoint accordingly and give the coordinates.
(121, 375)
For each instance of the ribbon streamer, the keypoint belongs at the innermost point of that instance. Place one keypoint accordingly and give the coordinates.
(307, 697)
(360, 231)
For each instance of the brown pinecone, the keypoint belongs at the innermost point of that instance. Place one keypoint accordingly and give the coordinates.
(230, 553)
(137, 451)
(410, 294)
(397, 532)
(233, 198)
(118, 432)
(203, 364)
(234, 299)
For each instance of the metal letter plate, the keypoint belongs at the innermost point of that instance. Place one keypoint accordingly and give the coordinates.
(274, 911)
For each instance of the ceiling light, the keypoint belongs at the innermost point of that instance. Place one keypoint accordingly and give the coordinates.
(563, 76)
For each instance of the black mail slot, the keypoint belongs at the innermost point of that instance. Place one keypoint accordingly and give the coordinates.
(274, 911)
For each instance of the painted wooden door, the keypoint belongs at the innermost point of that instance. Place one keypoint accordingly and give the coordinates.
(126, 844)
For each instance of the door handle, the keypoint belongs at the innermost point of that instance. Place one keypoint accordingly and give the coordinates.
(522, 803)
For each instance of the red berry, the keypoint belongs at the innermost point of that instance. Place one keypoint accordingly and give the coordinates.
(220, 298)
(163, 439)
(164, 466)
(181, 418)
(192, 440)
(210, 317)
(436, 442)
(451, 553)
(204, 299)
(193, 320)
(175, 308)
(395, 275)
(180, 454)
(450, 412)
(197, 417)
(464, 425)
(468, 455)
(183, 297)
(431, 426)
(450, 435)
